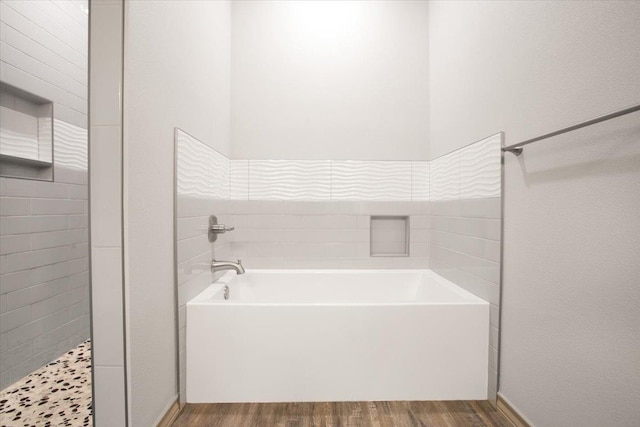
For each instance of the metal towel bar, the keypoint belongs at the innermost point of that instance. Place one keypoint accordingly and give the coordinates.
(517, 148)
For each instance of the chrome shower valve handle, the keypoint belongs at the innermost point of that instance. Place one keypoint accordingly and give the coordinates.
(221, 228)
(214, 228)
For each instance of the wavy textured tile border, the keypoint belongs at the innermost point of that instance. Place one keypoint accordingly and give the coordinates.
(193, 171)
(289, 180)
(220, 171)
(370, 180)
(346, 180)
(239, 180)
(445, 177)
(201, 171)
(468, 173)
(44, 137)
(480, 169)
(420, 181)
(70, 143)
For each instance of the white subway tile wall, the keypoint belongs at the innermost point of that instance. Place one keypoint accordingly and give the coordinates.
(109, 403)
(323, 234)
(44, 51)
(202, 184)
(466, 227)
(194, 255)
(109, 385)
(44, 257)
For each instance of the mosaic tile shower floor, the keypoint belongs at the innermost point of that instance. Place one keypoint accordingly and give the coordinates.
(58, 394)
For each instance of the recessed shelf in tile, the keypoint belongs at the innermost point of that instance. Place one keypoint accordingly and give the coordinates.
(26, 134)
(389, 235)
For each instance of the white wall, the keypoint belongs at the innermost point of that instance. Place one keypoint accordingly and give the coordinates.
(570, 298)
(176, 75)
(330, 80)
(527, 67)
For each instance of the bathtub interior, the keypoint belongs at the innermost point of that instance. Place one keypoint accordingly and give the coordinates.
(378, 287)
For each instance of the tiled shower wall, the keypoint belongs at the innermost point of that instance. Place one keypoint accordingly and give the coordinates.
(315, 214)
(107, 228)
(44, 51)
(294, 215)
(44, 254)
(333, 234)
(329, 180)
(466, 228)
(44, 281)
(201, 190)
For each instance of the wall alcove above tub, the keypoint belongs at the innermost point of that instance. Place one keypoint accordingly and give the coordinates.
(389, 235)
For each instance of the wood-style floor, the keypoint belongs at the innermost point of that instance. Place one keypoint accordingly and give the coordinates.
(343, 414)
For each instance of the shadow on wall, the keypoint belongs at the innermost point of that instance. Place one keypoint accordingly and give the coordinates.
(613, 158)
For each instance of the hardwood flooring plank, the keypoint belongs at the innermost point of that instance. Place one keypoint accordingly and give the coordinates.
(343, 414)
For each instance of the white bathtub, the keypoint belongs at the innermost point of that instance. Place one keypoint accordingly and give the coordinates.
(336, 335)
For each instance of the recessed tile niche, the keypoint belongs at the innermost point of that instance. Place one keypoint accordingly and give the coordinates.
(389, 236)
(26, 134)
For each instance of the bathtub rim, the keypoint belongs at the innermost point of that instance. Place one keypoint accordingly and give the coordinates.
(204, 297)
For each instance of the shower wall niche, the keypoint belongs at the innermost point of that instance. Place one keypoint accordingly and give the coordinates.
(389, 236)
(26, 134)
